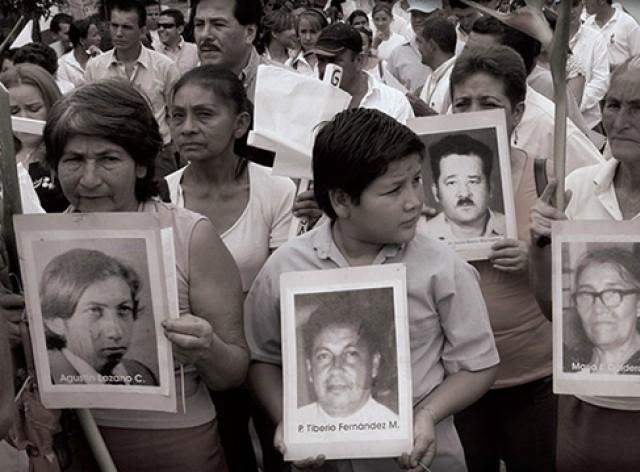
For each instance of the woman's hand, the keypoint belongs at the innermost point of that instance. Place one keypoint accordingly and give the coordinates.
(306, 207)
(510, 255)
(424, 442)
(543, 214)
(11, 308)
(309, 463)
(191, 337)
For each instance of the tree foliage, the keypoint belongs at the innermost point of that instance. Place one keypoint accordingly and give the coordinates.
(29, 8)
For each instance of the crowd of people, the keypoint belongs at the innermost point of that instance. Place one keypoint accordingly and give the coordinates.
(149, 110)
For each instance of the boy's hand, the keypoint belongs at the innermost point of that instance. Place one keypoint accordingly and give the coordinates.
(309, 463)
(11, 308)
(424, 442)
(510, 255)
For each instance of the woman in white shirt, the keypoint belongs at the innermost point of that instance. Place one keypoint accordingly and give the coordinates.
(385, 40)
(85, 37)
(310, 22)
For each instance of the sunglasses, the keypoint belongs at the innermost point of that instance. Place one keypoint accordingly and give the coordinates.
(166, 25)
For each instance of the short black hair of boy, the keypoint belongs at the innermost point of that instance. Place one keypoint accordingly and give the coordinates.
(442, 31)
(354, 149)
(128, 6)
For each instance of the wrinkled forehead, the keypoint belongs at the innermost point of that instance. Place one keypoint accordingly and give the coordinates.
(625, 85)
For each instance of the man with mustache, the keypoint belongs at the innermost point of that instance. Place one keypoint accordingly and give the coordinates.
(343, 360)
(224, 32)
(461, 168)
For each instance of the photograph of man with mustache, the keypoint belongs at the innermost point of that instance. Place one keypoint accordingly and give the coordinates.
(461, 168)
(343, 357)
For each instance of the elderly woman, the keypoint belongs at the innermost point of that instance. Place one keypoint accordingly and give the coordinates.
(607, 288)
(90, 303)
(606, 191)
(102, 140)
(32, 93)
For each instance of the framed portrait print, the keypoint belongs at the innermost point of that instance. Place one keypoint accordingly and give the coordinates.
(346, 363)
(596, 308)
(467, 179)
(97, 288)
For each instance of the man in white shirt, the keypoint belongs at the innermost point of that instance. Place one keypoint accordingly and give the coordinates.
(59, 28)
(465, 15)
(619, 29)
(405, 62)
(149, 71)
(172, 45)
(437, 45)
(153, 15)
(341, 44)
(590, 51)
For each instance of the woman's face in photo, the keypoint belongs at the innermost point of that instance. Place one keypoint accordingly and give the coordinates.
(608, 327)
(101, 327)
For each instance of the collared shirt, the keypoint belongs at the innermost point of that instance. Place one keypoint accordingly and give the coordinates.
(541, 81)
(594, 196)
(622, 35)
(439, 227)
(590, 47)
(153, 74)
(300, 64)
(405, 63)
(185, 54)
(461, 40)
(386, 99)
(448, 322)
(248, 74)
(436, 90)
(534, 134)
(69, 69)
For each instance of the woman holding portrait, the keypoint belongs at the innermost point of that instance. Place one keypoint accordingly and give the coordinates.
(102, 140)
(589, 426)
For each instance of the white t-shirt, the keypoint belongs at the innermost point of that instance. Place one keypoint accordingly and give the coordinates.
(263, 225)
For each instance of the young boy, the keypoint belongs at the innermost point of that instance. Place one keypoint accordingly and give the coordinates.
(367, 179)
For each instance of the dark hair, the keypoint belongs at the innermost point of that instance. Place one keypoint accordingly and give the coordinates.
(174, 13)
(275, 21)
(151, 3)
(378, 7)
(80, 29)
(68, 275)
(246, 12)
(458, 4)
(354, 149)
(367, 312)
(355, 14)
(58, 20)
(463, 145)
(442, 32)
(366, 31)
(527, 47)
(130, 6)
(39, 54)
(627, 263)
(227, 86)
(500, 62)
(111, 109)
(8, 54)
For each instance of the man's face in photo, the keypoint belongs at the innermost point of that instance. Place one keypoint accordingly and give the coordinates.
(342, 368)
(101, 327)
(462, 189)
